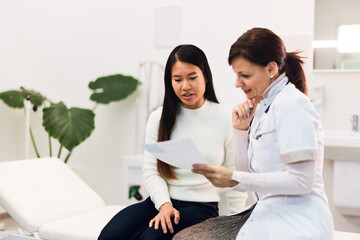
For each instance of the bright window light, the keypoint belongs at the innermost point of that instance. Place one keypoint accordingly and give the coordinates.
(325, 44)
(349, 38)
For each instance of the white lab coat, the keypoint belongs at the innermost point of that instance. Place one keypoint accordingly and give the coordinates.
(290, 132)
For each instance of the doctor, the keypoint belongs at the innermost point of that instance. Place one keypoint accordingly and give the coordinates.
(279, 150)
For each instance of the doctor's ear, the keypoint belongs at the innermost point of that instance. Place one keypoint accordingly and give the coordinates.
(273, 69)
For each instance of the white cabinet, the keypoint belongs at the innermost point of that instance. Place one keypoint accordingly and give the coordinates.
(132, 175)
(344, 148)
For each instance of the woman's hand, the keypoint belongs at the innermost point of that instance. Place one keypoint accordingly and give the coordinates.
(164, 218)
(241, 116)
(218, 176)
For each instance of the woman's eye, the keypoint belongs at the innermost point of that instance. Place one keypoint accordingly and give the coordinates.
(177, 80)
(245, 76)
(193, 78)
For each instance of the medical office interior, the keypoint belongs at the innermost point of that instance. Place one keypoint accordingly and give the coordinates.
(58, 47)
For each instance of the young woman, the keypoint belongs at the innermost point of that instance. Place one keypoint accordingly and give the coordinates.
(278, 150)
(178, 197)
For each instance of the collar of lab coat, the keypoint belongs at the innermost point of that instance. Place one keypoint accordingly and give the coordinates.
(272, 91)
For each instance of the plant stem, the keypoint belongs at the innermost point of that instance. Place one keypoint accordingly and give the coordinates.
(60, 151)
(50, 148)
(67, 157)
(94, 108)
(33, 142)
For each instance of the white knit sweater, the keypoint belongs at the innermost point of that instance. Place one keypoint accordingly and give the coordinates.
(210, 128)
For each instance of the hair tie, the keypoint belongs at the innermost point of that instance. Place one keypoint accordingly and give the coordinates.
(287, 57)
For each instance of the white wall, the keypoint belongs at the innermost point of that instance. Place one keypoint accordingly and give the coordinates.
(329, 15)
(341, 97)
(57, 47)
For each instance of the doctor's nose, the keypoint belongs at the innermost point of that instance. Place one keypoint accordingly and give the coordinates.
(239, 83)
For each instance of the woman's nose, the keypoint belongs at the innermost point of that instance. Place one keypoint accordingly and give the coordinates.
(186, 85)
(239, 83)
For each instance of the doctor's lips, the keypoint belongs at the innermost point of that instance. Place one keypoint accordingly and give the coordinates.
(246, 91)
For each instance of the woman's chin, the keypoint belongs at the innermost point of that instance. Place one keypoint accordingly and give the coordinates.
(250, 96)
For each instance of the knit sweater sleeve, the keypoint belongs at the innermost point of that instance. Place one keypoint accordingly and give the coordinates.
(236, 199)
(156, 186)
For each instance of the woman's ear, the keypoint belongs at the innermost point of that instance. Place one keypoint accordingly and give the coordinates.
(273, 69)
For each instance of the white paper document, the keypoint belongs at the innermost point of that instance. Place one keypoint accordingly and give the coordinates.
(181, 153)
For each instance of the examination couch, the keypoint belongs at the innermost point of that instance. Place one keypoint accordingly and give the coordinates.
(50, 202)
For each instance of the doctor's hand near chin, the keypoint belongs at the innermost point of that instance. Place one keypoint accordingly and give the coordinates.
(243, 113)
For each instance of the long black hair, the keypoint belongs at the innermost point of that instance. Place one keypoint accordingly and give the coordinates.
(187, 54)
(261, 46)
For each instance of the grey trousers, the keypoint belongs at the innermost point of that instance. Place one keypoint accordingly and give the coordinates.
(222, 227)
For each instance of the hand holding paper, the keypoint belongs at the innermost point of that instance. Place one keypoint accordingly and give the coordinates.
(181, 153)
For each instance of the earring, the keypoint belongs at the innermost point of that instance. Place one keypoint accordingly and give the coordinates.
(271, 76)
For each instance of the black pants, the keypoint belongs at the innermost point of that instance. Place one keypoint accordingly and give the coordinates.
(133, 222)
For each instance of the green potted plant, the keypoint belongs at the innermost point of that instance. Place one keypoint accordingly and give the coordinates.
(71, 126)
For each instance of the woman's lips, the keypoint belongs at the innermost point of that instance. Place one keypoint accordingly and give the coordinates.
(247, 91)
(187, 96)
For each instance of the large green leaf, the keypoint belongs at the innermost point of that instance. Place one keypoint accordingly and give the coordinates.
(69, 126)
(15, 98)
(112, 88)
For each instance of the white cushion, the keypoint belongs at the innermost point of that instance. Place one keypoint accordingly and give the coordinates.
(38, 191)
(346, 236)
(85, 226)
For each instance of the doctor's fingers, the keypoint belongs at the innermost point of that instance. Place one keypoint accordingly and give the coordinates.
(250, 106)
(237, 114)
(217, 180)
(240, 113)
(204, 167)
(214, 173)
(244, 108)
(206, 173)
